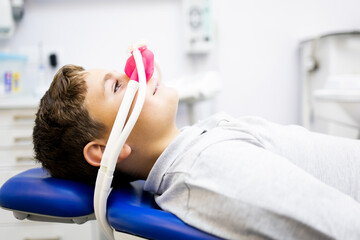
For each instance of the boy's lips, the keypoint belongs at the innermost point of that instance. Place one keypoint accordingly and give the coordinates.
(156, 88)
(156, 84)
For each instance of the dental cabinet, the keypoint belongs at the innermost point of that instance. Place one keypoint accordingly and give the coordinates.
(330, 81)
(16, 155)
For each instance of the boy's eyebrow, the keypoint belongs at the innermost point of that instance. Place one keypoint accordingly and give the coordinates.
(107, 76)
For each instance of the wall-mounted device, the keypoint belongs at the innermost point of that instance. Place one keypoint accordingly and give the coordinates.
(10, 11)
(198, 26)
(7, 24)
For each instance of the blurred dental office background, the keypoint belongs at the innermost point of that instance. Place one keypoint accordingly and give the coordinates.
(281, 60)
(255, 44)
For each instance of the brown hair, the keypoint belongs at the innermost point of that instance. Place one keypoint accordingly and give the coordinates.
(63, 127)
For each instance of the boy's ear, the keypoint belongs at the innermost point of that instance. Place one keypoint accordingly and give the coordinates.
(94, 150)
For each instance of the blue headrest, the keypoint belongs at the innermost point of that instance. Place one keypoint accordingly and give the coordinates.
(34, 191)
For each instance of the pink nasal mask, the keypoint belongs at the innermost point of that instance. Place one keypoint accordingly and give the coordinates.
(148, 59)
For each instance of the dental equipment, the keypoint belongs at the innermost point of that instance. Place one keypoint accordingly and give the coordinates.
(135, 70)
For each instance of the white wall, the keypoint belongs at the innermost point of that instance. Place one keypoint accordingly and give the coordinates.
(257, 51)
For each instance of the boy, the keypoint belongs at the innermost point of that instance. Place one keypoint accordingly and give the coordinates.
(235, 178)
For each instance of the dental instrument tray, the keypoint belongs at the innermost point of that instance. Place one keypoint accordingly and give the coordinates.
(35, 195)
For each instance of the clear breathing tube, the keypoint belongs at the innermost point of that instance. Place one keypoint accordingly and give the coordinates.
(116, 141)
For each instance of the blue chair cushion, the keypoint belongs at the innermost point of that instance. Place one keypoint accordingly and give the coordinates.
(35, 191)
(129, 205)
(130, 209)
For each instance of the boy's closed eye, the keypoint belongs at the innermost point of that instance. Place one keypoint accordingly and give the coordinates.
(116, 86)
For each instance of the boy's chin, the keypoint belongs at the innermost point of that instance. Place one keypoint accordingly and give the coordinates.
(175, 99)
(174, 94)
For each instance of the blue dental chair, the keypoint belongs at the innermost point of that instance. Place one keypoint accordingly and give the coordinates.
(35, 195)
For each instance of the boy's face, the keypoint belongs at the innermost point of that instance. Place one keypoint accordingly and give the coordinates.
(106, 90)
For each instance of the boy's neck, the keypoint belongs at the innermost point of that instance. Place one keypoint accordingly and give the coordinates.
(158, 149)
(143, 157)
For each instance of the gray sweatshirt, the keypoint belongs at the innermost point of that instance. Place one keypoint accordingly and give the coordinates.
(248, 178)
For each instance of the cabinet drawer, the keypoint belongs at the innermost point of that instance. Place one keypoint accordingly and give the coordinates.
(16, 136)
(17, 156)
(46, 231)
(15, 117)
